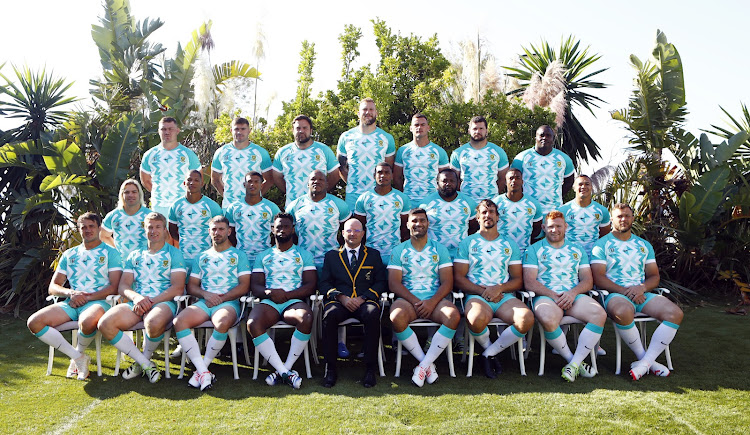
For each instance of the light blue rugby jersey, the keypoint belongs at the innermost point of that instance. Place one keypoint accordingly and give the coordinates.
(284, 269)
(626, 260)
(479, 169)
(543, 175)
(383, 213)
(220, 272)
(363, 152)
(317, 223)
(449, 221)
(252, 224)
(557, 268)
(516, 218)
(192, 224)
(233, 164)
(296, 165)
(152, 273)
(168, 170)
(420, 269)
(421, 166)
(488, 260)
(127, 231)
(584, 223)
(87, 270)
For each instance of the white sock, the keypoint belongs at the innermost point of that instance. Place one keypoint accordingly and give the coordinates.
(586, 342)
(84, 341)
(296, 347)
(663, 335)
(150, 344)
(265, 347)
(410, 342)
(508, 338)
(215, 344)
(483, 338)
(632, 337)
(557, 340)
(52, 337)
(190, 347)
(125, 344)
(440, 341)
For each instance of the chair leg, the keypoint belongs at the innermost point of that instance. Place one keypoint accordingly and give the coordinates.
(307, 361)
(233, 344)
(542, 350)
(470, 366)
(521, 362)
(98, 341)
(256, 361)
(618, 350)
(245, 345)
(50, 360)
(668, 355)
(380, 356)
(167, 336)
(398, 359)
(449, 349)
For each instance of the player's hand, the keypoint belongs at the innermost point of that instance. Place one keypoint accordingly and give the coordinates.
(565, 300)
(633, 292)
(493, 293)
(78, 299)
(277, 295)
(142, 306)
(212, 300)
(425, 308)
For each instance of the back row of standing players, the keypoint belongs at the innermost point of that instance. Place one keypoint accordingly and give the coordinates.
(305, 170)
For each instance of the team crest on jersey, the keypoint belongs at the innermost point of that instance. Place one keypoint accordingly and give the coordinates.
(397, 203)
(507, 251)
(434, 258)
(182, 159)
(204, 213)
(297, 260)
(102, 259)
(466, 209)
(330, 210)
(165, 263)
(597, 216)
(642, 249)
(317, 157)
(492, 157)
(559, 164)
(264, 215)
(380, 143)
(529, 211)
(232, 261)
(143, 224)
(253, 157)
(575, 256)
(432, 156)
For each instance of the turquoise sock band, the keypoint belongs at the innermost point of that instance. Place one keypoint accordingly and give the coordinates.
(446, 331)
(260, 339)
(182, 334)
(116, 338)
(403, 335)
(554, 334)
(301, 336)
(595, 328)
(42, 332)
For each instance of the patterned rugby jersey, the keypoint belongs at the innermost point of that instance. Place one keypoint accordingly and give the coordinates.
(543, 176)
(296, 165)
(421, 166)
(584, 223)
(479, 168)
(168, 170)
(488, 260)
(449, 221)
(87, 270)
(284, 269)
(220, 272)
(252, 223)
(516, 218)
(420, 269)
(383, 213)
(317, 223)
(127, 231)
(626, 260)
(192, 224)
(152, 273)
(363, 152)
(557, 268)
(233, 164)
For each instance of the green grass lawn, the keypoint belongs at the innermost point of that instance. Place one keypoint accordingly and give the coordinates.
(708, 392)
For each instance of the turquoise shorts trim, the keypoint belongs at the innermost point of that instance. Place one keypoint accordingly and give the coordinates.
(74, 313)
(171, 304)
(494, 306)
(210, 311)
(539, 298)
(280, 307)
(638, 307)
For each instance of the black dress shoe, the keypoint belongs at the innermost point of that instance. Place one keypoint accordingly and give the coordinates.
(330, 378)
(496, 365)
(369, 380)
(486, 365)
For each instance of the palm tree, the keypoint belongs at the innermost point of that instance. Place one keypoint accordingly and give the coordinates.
(570, 64)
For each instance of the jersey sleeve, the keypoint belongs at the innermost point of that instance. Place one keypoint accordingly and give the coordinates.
(172, 218)
(274, 209)
(569, 168)
(395, 261)
(407, 204)
(359, 206)
(214, 208)
(391, 150)
(146, 161)
(292, 208)
(538, 214)
(107, 222)
(584, 259)
(331, 161)
(515, 255)
(650, 257)
(243, 264)
(606, 218)
(503, 160)
(344, 212)
(598, 253)
(258, 263)
(114, 261)
(455, 160)
(276, 165)
(62, 265)
(442, 158)
(400, 156)
(444, 257)
(178, 261)
(216, 161)
(195, 163)
(463, 252)
(196, 271)
(229, 214)
(341, 146)
(127, 265)
(308, 261)
(530, 260)
(265, 160)
(518, 161)
(472, 208)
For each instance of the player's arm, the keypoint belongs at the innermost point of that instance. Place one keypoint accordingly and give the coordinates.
(397, 287)
(268, 181)
(174, 231)
(426, 307)
(391, 160)
(307, 287)
(333, 178)
(258, 285)
(602, 281)
(585, 281)
(125, 288)
(568, 184)
(217, 182)
(531, 283)
(398, 177)
(279, 181)
(501, 180)
(176, 288)
(344, 167)
(461, 281)
(57, 286)
(106, 237)
(146, 181)
(603, 231)
(236, 292)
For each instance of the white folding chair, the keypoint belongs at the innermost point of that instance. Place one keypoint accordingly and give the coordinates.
(639, 319)
(73, 326)
(355, 322)
(207, 327)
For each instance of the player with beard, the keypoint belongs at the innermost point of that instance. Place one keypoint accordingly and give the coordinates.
(283, 277)
(625, 265)
(219, 277)
(421, 276)
(488, 268)
(233, 160)
(360, 149)
(547, 172)
(558, 272)
(480, 164)
(293, 162)
(520, 215)
(452, 214)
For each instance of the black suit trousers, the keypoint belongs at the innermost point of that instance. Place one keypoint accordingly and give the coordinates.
(334, 313)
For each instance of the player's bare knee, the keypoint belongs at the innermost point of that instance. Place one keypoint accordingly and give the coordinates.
(452, 319)
(524, 321)
(674, 315)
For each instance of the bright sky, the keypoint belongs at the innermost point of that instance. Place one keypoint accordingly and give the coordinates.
(707, 35)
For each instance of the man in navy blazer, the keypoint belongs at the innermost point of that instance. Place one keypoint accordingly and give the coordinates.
(352, 279)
